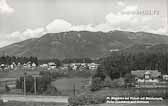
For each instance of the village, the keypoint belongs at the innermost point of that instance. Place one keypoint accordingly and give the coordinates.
(73, 78)
(141, 78)
(49, 66)
(30, 68)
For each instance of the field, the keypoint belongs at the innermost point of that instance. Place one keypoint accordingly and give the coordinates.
(31, 104)
(67, 85)
(12, 76)
(16, 74)
(163, 103)
(159, 92)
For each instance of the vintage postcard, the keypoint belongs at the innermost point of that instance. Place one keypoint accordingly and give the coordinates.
(83, 52)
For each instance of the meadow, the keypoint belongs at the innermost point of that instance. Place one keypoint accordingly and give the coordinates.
(13, 103)
(16, 73)
(67, 85)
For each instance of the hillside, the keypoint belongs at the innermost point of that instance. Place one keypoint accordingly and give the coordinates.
(76, 44)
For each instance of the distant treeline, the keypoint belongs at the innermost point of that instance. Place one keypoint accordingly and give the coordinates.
(8, 60)
(66, 61)
(78, 60)
(119, 64)
(13, 59)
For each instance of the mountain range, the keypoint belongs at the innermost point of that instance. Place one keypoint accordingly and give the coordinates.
(78, 44)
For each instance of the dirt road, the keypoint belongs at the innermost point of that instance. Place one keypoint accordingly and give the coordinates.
(33, 98)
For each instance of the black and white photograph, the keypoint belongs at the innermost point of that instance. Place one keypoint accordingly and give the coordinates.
(83, 52)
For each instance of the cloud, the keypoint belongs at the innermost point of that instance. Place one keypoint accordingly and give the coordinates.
(131, 22)
(20, 36)
(83, 28)
(58, 25)
(130, 8)
(5, 8)
(161, 30)
(113, 21)
(4, 43)
(120, 3)
(29, 33)
(128, 20)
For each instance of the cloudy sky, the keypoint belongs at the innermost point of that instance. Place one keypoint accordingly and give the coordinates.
(24, 19)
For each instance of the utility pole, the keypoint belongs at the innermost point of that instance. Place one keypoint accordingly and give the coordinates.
(74, 89)
(35, 76)
(35, 85)
(25, 83)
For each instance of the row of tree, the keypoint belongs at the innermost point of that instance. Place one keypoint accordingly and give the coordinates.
(119, 64)
(43, 85)
(13, 59)
(77, 60)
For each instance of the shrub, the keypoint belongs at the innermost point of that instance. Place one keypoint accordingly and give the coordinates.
(119, 82)
(42, 82)
(86, 100)
(114, 83)
(52, 91)
(7, 88)
(1, 102)
(97, 84)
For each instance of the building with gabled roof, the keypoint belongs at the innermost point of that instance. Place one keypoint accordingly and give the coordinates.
(142, 73)
(149, 79)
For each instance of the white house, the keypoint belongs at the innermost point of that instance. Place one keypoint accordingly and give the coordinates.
(44, 65)
(93, 66)
(52, 65)
(33, 65)
(165, 77)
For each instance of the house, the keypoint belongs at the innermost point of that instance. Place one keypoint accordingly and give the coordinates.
(146, 73)
(12, 66)
(34, 65)
(93, 66)
(51, 65)
(44, 65)
(148, 79)
(2, 66)
(74, 67)
(165, 77)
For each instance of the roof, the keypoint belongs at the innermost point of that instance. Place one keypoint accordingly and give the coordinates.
(140, 73)
(147, 72)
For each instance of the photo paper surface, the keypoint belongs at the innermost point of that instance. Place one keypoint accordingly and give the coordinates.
(83, 52)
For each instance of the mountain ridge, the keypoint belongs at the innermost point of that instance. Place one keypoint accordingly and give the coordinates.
(78, 44)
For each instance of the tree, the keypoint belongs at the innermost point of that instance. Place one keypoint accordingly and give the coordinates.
(100, 73)
(7, 89)
(97, 84)
(43, 84)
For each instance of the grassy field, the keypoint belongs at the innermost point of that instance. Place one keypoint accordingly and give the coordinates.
(16, 74)
(163, 103)
(12, 76)
(31, 104)
(66, 85)
(131, 92)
